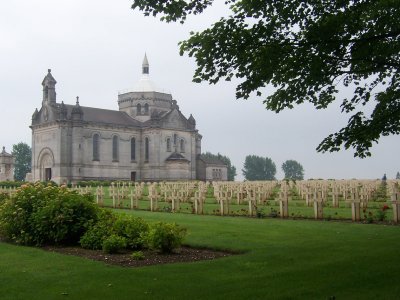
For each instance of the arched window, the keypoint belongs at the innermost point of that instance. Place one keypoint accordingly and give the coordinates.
(182, 145)
(133, 149)
(146, 149)
(115, 148)
(168, 145)
(138, 109)
(96, 139)
(146, 108)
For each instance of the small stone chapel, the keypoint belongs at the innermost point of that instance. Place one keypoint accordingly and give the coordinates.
(6, 166)
(147, 139)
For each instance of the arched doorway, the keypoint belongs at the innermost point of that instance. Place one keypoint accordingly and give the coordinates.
(46, 163)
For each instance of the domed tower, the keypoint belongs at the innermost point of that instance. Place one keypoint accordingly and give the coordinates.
(145, 100)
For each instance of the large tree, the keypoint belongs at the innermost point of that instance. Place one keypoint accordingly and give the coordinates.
(293, 170)
(398, 175)
(258, 168)
(23, 156)
(225, 160)
(307, 50)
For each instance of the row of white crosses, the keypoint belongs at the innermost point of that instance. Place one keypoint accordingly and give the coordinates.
(355, 193)
(8, 190)
(252, 192)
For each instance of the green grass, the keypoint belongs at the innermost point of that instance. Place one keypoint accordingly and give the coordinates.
(283, 259)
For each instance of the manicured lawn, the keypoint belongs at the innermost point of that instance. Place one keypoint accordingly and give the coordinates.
(284, 259)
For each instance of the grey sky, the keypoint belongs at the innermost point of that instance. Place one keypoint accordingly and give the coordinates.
(95, 49)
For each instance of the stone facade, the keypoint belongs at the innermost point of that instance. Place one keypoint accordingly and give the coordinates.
(147, 139)
(211, 169)
(6, 166)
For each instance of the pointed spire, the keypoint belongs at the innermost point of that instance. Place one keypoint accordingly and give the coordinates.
(145, 65)
(77, 112)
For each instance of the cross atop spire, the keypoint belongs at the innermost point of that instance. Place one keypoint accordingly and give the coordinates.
(145, 65)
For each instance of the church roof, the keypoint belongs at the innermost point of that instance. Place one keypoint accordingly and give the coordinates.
(49, 77)
(176, 157)
(145, 84)
(145, 61)
(4, 153)
(211, 160)
(105, 116)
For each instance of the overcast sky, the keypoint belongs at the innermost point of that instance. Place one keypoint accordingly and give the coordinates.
(95, 49)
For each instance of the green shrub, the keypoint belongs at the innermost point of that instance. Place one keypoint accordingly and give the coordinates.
(40, 214)
(132, 229)
(114, 244)
(165, 237)
(99, 230)
(381, 213)
(3, 197)
(137, 255)
(108, 223)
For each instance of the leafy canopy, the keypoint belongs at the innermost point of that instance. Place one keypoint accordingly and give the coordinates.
(306, 50)
(23, 155)
(258, 168)
(293, 170)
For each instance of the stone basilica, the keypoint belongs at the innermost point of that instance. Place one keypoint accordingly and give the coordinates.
(147, 139)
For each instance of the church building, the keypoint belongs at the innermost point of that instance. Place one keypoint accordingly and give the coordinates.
(147, 139)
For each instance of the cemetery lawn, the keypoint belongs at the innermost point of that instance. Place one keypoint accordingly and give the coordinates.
(282, 259)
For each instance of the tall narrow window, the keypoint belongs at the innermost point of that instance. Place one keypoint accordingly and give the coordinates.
(168, 145)
(133, 149)
(146, 108)
(96, 155)
(182, 145)
(146, 149)
(115, 148)
(138, 109)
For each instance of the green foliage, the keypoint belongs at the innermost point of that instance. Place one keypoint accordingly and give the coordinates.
(3, 197)
(23, 156)
(132, 229)
(293, 170)
(381, 213)
(99, 230)
(137, 255)
(114, 244)
(398, 175)
(11, 184)
(258, 168)
(108, 223)
(231, 168)
(165, 237)
(38, 214)
(307, 50)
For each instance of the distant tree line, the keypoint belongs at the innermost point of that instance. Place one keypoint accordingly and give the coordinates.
(263, 168)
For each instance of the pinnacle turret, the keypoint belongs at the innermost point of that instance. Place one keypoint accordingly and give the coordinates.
(145, 65)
